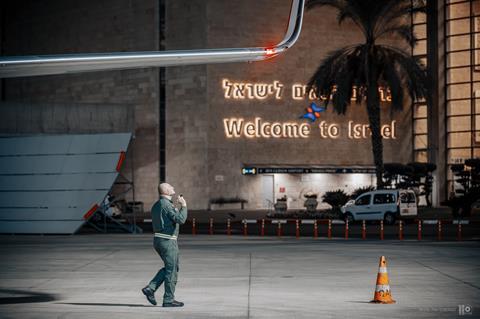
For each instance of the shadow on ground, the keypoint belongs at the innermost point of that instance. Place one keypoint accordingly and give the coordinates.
(23, 296)
(103, 304)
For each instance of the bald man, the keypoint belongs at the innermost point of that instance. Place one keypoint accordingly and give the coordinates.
(166, 220)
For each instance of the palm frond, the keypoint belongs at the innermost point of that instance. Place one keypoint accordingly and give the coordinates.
(323, 80)
(403, 31)
(393, 79)
(349, 67)
(339, 4)
(398, 16)
(414, 71)
(346, 9)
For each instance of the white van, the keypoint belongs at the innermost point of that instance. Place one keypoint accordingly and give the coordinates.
(385, 204)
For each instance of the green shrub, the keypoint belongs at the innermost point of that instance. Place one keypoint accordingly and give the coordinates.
(335, 198)
(359, 191)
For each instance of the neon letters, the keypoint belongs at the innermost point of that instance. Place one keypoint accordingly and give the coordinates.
(238, 127)
(258, 128)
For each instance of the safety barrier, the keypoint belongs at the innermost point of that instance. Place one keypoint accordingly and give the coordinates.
(247, 226)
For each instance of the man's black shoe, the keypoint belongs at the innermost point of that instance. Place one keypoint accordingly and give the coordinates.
(173, 304)
(150, 295)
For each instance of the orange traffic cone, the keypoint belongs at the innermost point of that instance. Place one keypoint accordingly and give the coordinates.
(382, 289)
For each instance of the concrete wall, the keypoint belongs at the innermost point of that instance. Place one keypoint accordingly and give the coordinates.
(187, 111)
(197, 149)
(99, 102)
(197, 105)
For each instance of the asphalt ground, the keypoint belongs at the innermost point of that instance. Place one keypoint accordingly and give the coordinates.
(100, 276)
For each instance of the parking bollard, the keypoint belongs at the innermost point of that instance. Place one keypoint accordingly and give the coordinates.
(400, 230)
(346, 228)
(262, 229)
(245, 230)
(315, 229)
(279, 229)
(329, 233)
(439, 230)
(364, 230)
(419, 230)
(381, 230)
(210, 229)
(297, 229)
(459, 231)
(194, 230)
(229, 230)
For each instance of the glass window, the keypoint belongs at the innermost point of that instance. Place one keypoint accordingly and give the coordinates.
(458, 155)
(421, 30)
(420, 18)
(453, 1)
(458, 42)
(383, 198)
(459, 10)
(424, 61)
(459, 107)
(476, 75)
(407, 197)
(421, 141)
(421, 157)
(458, 58)
(363, 200)
(459, 139)
(458, 91)
(411, 198)
(420, 126)
(458, 75)
(476, 133)
(459, 123)
(420, 47)
(420, 110)
(458, 26)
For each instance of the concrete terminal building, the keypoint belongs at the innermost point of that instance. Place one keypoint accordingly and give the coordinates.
(203, 127)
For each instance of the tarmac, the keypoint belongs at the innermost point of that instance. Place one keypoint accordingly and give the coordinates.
(100, 276)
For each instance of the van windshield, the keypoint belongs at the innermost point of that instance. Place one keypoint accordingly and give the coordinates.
(407, 198)
(363, 200)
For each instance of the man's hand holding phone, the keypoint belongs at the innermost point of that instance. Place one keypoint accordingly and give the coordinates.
(182, 201)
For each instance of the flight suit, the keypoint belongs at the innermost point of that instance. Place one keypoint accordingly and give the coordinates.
(165, 221)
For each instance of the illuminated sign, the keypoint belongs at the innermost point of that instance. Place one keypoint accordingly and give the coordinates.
(275, 90)
(249, 171)
(238, 127)
(258, 128)
(246, 90)
(309, 170)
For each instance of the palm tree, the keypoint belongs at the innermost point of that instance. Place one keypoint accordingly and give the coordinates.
(367, 65)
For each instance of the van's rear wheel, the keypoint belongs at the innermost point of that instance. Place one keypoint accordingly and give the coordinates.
(389, 218)
(350, 218)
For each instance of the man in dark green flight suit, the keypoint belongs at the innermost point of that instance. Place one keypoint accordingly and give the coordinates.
(165, 220)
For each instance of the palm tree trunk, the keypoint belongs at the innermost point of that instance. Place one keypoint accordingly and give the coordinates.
(373, 109)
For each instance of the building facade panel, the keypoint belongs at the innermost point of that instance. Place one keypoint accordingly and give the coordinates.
(245, 101)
